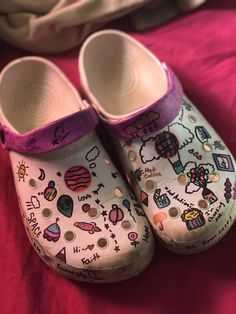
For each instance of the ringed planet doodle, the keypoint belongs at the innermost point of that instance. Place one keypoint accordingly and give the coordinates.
(50, 192)
(116, 214)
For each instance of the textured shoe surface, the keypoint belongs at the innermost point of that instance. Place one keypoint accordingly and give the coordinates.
(180, 169)
(78, 213)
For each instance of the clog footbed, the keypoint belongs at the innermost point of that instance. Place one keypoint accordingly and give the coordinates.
(181, 170)
(78, 213)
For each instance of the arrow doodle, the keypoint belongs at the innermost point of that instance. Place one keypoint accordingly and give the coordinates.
(95, 192)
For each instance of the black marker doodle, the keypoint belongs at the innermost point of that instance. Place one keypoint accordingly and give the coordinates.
(112, 234)
(90, 260)
(77, 249)
(187, 105)
(92, 154)
(202, 134)
(147, 233)
(99, 186)
(195, 154)
(114, 174)
(42, 175)
(92, 165)
(228, 190)
(62, 255)
(218, 145)
(60, 134)
(33, 204)
(132, 236)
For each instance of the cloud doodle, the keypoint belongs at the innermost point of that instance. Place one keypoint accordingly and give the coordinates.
(92, 154)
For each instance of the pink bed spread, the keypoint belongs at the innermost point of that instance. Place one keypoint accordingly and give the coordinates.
(201, 48)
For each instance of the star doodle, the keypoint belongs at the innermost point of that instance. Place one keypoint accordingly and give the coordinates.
(113, 236)
(106, 226)
(97, 201)
(104, 213)
(59, 174)
(117, 248)
(114, 174)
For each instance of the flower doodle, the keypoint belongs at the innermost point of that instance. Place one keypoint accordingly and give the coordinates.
(167, 145)
(199, 179)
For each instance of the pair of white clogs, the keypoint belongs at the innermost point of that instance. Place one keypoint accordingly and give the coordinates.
(79, 213)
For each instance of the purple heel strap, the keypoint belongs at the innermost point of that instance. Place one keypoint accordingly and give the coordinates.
(152, 118)
(52, 136)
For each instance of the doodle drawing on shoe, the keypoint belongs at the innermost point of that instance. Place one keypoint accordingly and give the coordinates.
(178, 166)
(78, 213)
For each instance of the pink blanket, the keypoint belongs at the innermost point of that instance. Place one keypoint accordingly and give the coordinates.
(201, 48)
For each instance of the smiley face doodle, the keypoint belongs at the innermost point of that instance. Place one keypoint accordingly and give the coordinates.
(22, 171)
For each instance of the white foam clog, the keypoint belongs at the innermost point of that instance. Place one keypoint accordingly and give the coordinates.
(180, 169)
(78, 213)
